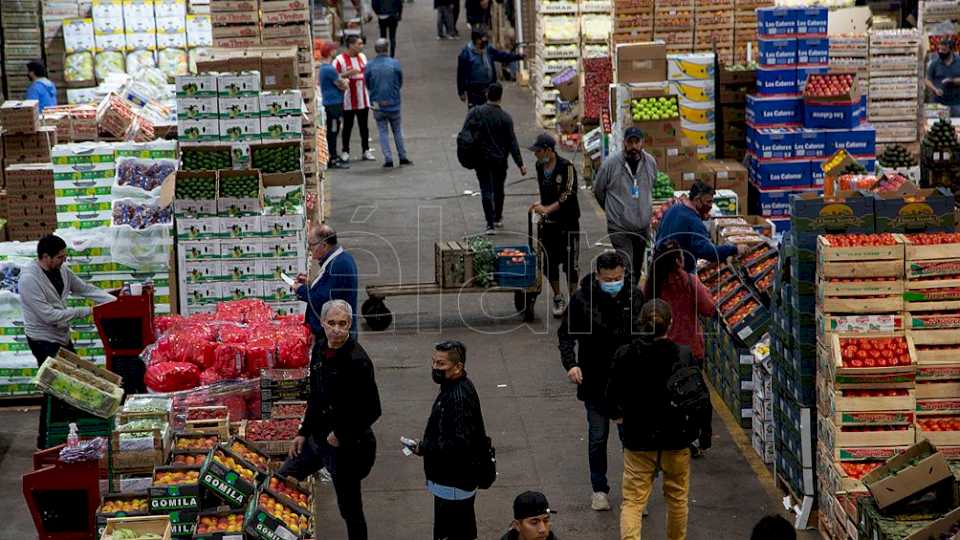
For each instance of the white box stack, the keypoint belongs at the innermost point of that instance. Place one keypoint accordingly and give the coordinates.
(894, 84)
(558, 47)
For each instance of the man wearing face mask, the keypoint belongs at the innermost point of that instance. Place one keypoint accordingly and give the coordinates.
(683, 223)
(943, 77)
(623, 188)
(601, 317)
(454, 432)
(476, 67)
(337, 427)
(336, 280)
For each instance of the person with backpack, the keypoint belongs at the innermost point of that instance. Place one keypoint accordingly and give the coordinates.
(484, 143)
(455, 448)
(657, 394)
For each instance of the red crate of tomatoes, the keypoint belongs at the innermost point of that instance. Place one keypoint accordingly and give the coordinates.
(931, 246)
(872, 362)
(867, 406)
(861, 249)
(940, 430)
(832, 88)
(834, 436)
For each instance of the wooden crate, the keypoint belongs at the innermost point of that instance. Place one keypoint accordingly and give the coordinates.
(158, 525)
(453, 262)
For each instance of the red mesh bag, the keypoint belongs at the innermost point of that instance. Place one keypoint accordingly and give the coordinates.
(164, 323)
(210, 376)
(260, 354)
(171, 376)
(230, 333)
(293, 350)
(228, 360)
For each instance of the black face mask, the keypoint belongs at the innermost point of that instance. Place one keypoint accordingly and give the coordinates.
(945, 56)
(438, 375)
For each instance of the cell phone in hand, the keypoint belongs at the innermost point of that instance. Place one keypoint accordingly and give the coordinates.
(408, 446)
(287, 279)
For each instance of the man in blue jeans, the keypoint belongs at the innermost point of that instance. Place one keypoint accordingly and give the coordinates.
(384, 80)
(602, 316)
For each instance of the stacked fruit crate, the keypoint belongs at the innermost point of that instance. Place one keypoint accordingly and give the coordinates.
(692, 78)
(22, 42)
(745, 28)
(54, 50)
(235, 23)
(732, 91)
(596, 24)
(632, 21)
(714, 21)
(674, 23)
(558, 48)
(850, 52)
(763, 423)
(932, 320)
(894, 96)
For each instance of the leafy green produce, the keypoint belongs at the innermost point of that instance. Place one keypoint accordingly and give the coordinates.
(195, 189)
(484, 258)
(896, 156)
(276, 159)
(205, 159)
(123, 533)
(662, 187)
(240, 186)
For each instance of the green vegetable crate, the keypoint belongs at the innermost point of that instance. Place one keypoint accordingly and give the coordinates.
(138, 528)
(279, 157)
(206, 157)
(195, 194)
(239, 193)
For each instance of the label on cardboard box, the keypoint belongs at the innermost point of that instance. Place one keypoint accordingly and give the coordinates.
(167, 40)
(78, 35)
(281, 225)
(197, 228)
(107, 9)
(199, 31)
(242, 106)
(241, 290)
(765, 111)
(773, 81)
(240, 248)
(203, 85)
(278, 129)
(114, 41)
(291, 266)
(813, 51)
(812, 21)
(242, 226)
(196, 108)
(199, 249)
(195, 272)
(242, 270)
(239, 129)
(238, 84)
(285, 246)
(833, 115)
(281, 103)
(769, 143)
(170, 8)
(810, 143)
(859, 141)
(775, 21)
(777, 52)
(204, 130)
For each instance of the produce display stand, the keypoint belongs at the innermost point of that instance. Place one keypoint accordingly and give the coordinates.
(378, 316)
(126, 328)
(62, 497)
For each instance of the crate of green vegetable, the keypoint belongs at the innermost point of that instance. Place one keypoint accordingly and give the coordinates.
(918, 470)
(279, 157)
(137, 528)
(195, 194)
(283, 192)
(205, 157)
(239, 193)
(662, 186)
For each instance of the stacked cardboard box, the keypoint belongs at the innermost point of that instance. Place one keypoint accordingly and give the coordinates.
(83, 176)
(110, 43)
(714, 22)
(199, 37)
(733, 88)
(55, 13)
(850, 53)
(762, 421)
(692, 79)
(632, 21)
(22, 42)
(79, 44)
(28, 147)
(557, 49)
(235, 23)
(674, 23)
(894, 87)
(29, 204)
(745, 29)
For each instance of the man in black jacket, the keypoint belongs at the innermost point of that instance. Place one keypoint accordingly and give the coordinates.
(560, 228)
(388, 13)
(336, 431)
(493, 128)
(600, 319)
(453, 438)
(531, 518)
(476, 67)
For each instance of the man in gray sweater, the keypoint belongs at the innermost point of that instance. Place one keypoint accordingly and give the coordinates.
(45, 286)
(623, 188)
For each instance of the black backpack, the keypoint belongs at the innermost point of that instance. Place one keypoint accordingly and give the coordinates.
(687, 394)
(485, 463)
(468, 143)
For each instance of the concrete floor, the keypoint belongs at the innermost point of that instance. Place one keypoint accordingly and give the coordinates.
(390, 219)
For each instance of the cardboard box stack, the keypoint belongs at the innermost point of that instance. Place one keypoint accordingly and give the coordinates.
(55, 14)
(851, 53)
(79, 44)
(558, 48)
(745, 29)
(235, 23)
(199, 36)
(632, 21)
(762, 421)
(894, 88)
(83, 175)
(22, 42)
(732, 90)
(30, 208)
(692, 79)
(237, 233)
(714, 21)
(674, 23)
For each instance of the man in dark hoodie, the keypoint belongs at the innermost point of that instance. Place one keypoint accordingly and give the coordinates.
(389, 13)
(600, 318)
(454, 435)
(531, 518)
(41, 88)
(476, 69)
(337, 429)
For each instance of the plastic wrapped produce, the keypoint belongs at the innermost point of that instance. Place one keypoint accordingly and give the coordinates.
(293, 350)
(146, 249)
(171, 376)
(78, 67)
(140, 214)
(107, 63)
(173, 62)
(137, 177)
(210, 376)
(259, 354)
(137, 60)
(228, 360)
(164, 323)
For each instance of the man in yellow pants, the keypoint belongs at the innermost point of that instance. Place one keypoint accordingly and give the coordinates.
(656, 392)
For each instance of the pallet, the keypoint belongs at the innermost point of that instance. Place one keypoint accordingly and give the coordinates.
(803, 507)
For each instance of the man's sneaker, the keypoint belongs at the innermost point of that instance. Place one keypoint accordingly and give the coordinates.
(387, 164)
(406, 161)
(337, 164)
(498, 224)
(600, 502)
(490, 231)
(345, 157)
(368, 155)
(559, 305)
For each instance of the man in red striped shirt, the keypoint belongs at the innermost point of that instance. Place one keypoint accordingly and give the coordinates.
(356, 101)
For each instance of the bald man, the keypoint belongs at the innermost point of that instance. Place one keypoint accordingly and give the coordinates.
(336, 279)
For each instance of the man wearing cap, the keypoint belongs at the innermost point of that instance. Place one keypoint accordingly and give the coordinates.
(623, 188)
(560, 233)
(531, 518)
(943, 77)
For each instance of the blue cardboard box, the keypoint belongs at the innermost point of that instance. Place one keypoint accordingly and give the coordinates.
(833, 115)
(766, 111)
(810, 143)
(859, 141)
(816, 172)
(811, 21)
(928, 210)
(803, 72)
(844, 213)
(773, 143)
(813, 51)
(779, 174)
(773, 22)
(773, 202)
(777, 52)
(780, 80)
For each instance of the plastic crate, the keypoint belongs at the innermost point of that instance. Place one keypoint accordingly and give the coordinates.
(510, 272)
(59, 416)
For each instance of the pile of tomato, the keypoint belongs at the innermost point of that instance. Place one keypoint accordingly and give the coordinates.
(762, 267)
(874, 352)
(765, 282)
(939, 423)
(859, 469)
(755, 256)
(742, 312)
(862, 280)
(893, 392)
(858, 240)
(933, 239)
(871, 429)
(733, 301)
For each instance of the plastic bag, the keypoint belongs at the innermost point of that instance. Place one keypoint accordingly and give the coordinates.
(171, 376)
(259, 354)
(145, 250)
(210, 376)
(140, 213)
(228, 360)
(234, 334)
(141, 178)
(164, 323)
(293, 350)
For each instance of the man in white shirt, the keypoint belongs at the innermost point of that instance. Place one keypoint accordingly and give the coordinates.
(356, 101)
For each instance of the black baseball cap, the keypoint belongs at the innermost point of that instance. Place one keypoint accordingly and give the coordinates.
(633, 133)
(530, 504)
(544, 141)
